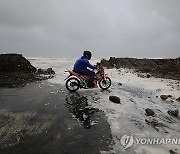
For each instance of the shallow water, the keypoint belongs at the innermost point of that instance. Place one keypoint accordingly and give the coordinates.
(89, 122)
(42, 118)
(136, 94)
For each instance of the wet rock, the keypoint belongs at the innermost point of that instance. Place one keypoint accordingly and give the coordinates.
(173, 112)
(172, 152)
(120, 84)
(158, 89)
(15, 70)
(163, 68)
(115, 99)
(48, 71)
(4, 120)
(106, 63)
(148, 76)
(178, 99)
(152, 122)
(15, 63)
(164, 97)
(142, 75)
(149, 112)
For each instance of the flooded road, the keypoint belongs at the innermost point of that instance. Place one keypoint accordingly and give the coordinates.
(43, 118)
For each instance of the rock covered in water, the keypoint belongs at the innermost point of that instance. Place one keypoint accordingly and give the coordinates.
(173, 112)
(119, 84)
(115, 99)
(149, 112)
(152, 122)
(172, 152)
(48, 71)
(178, 99)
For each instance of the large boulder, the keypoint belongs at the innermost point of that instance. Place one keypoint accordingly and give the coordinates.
(115, 99)
(15, 63)
(16, 70)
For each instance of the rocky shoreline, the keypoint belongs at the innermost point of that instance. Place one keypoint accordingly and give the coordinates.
(15, 70)
(162, 68)
(45, 117)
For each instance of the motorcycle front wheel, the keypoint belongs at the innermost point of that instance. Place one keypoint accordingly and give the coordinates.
(72, 84)
(105, 83)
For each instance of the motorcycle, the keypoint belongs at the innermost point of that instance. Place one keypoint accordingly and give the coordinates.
(75, 81)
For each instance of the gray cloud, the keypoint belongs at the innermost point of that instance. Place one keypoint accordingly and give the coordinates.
(58, 28)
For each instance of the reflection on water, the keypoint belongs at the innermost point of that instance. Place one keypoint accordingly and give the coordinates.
(35, 120)
(78, 106)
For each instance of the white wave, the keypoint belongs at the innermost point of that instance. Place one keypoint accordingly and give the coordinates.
(59, 65)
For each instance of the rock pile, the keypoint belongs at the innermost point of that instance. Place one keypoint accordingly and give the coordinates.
(165, 68)
(15, 63)
(17, 70)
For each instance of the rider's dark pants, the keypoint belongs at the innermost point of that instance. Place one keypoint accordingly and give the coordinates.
(90, 73)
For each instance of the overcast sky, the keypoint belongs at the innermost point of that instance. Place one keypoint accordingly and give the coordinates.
(65, 28)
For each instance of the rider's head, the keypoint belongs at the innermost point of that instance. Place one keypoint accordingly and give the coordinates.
(87, 54)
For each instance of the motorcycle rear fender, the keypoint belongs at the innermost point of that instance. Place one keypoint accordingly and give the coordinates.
(68, 76)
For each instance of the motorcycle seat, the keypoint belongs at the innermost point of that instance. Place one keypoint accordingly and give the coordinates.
(78, 75)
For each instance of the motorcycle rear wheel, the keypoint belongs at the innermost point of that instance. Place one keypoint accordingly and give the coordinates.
(72, 84)
(105, 83)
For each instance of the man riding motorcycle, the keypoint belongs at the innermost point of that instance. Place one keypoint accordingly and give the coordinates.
(81, 67)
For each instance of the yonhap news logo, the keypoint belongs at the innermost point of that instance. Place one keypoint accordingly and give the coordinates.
(128, 140)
